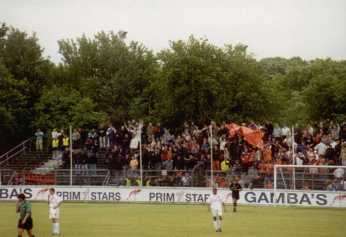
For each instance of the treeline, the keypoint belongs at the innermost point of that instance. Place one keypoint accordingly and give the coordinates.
(105, 78)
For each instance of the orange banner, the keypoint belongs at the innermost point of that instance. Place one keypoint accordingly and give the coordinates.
(251, 136)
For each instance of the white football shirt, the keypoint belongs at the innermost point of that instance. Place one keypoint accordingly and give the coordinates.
(215, 202)
(54, 200)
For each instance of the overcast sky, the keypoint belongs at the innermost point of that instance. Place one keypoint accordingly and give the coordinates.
(306, 28)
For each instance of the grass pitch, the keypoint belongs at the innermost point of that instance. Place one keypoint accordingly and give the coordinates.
(147, 220)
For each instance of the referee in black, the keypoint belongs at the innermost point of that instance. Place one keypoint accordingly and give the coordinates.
(235, 188)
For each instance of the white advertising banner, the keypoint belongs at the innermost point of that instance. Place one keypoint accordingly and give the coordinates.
(178, 195)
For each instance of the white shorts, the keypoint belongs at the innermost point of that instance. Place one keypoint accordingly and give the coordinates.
(54, 213)
(216, 212)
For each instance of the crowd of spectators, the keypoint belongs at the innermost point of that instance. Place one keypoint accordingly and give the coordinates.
(189, 150)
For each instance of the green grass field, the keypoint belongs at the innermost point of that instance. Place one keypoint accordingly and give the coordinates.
(144, 220)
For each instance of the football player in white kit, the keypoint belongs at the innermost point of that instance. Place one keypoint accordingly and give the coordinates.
(54, 202)
(216, 207)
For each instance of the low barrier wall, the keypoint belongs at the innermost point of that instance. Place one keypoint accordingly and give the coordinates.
(178, 195)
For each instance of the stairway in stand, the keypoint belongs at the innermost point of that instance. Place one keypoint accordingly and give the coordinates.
(16, 169)
(28, 161)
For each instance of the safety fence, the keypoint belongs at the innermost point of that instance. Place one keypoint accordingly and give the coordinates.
(303, 178)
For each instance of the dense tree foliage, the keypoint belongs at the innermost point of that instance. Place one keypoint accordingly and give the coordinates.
(110, 72)
(200, 81)
(23, 74)
(59, 107)
(105, 78)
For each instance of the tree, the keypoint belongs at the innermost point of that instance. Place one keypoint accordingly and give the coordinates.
(61, 107)
(200, 81)
(246, 96)
(326, 93)
(190, 81)
(26, 73)
(112, 73)
(12, 106)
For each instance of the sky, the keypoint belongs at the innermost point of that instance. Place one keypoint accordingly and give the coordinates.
(285, 28)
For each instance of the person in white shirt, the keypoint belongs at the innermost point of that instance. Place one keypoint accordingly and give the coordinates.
(339, 173)
(321, 149)
(54, 202)
(216, 208)
(285, 131)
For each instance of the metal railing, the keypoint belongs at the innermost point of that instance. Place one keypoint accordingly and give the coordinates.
(175, 178)
(178, 178)
(82, 176)
(15, 151)
(310, 177)
(103, 177)
(6, 176)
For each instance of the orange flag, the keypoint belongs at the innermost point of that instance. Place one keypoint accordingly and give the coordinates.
(251, 136)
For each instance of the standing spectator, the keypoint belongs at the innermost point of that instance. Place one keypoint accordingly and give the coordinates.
(111, 133)
(55, 143)
(77, 161)
(186, 180)
(178, 163)
(102, 137)
(134, 163)
(167, 158)
(277, 131)
(94, 137)
(342, 133)
(92, 161)
(307, 138)
(39, 140)
(60, 139)
(321, 149)
(150, 132)
(343, 153)
(216, 158)
(269, 128)
(285, 132)
(225, 165)
(76, 139)
(65, 141)
(83, 162)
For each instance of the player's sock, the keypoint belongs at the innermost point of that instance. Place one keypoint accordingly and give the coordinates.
(219, 223)
(215, 223)
(57, 230)
(54, 231)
